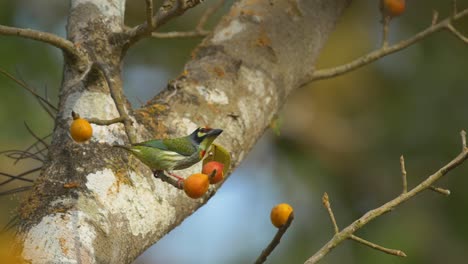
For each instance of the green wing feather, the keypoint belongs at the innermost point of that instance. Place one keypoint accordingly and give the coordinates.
(183, 146)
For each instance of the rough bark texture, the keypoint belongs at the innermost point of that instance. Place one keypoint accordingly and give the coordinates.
(238, 79)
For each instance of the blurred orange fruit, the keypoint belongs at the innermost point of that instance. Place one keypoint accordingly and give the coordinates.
(196, 185)
(80, 129)
(280, 214)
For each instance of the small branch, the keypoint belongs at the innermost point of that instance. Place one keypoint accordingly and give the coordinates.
(403, 174)
(326, 204)
(457, 33)
(119, 103)
(25, 86)
(394, 252)
(275, 241)
(14, 177)
(391, 205)
(149, 14)
(180, 34)
(35, 136)
(440, 190)
(385, 26)
(19, 176)
(54, 40)
(207, 14)
(435, 17)
(168, 10)
(100, 122)
(34, 145)
(16, 190)
(463, 136)
(386, 50)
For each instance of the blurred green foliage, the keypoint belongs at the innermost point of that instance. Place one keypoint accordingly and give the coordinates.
(343, 135)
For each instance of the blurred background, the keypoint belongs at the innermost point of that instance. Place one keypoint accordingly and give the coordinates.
(343, 136)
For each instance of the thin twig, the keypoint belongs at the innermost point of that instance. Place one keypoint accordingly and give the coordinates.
(12, 223)
(119, 102)
(100, 122)
(391, 205)
(180, 34)
(54, 40)
(207, 14)
(384, 51)
(168, 10)
(149, 14)
(275, 241)
(457, 33)
(16, 190)
(394, 252)
(14, 177)
(440, 190)
(25, 86)
(32, 146)
(21, 154)
(403, 174)
(385, 26)
(326, 204)
(35, 136)
(19, 176)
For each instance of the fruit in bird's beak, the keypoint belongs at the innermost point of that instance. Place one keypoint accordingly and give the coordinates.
(80, 129)
(196, 185)
(280, 213)
(208, 169)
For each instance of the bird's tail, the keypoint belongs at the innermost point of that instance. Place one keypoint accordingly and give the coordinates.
(127, 148)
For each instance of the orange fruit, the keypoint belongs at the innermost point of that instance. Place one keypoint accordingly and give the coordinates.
(80, 129)
(394, 7)
(209, 167)
(280, 213)
(196, 185)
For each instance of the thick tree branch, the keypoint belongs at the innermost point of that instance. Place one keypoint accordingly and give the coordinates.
(239, 77)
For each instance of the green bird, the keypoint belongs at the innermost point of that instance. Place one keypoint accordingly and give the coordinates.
(174, 153)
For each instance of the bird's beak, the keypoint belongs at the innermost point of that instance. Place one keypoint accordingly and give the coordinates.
(215, 132)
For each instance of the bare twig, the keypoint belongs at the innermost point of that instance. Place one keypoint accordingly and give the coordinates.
(395, 252)
(435, 17)
(19, 176)
(207, 14)
(35, 136)
(17, 154)
(180, 34)
(168, 10)
(54, 40)
(457, 33)
(149, 14)
(403, 174)
(119, 103)
(25, 86)
(275, 241)
(385, 26)
(386, 50)
(326, 204)
(440, 190)
(391, 205)
(32, 146)
(16, 190)
(14, 177)
(100, 122)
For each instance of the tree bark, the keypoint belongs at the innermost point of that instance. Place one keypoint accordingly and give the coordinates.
(237, 80)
